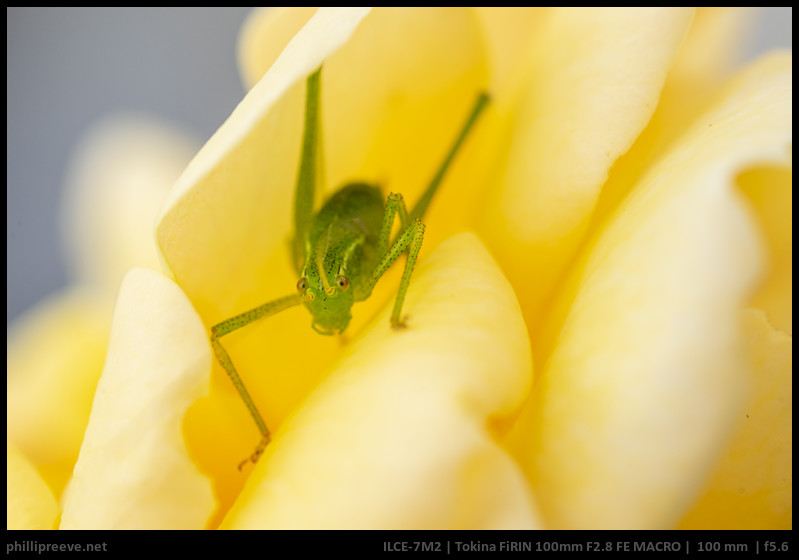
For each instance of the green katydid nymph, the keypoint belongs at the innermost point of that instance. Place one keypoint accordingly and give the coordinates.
(341, 251)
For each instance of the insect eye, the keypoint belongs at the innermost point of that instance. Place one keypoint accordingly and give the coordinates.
(302, 285)
(343, 283)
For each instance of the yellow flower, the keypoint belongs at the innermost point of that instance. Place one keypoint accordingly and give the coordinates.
(118, 178)
(634, 201)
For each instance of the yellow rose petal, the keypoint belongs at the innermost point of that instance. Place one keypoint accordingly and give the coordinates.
(29, 502)
(220, 434)
(646, 378)
(702, 66)
(396, 437)
(120, 176)
(769, 190)
(509, 32)
(752, 487)
(594, 77)
(715, 44)
(133, 470)
(265, 34)
(55, 356)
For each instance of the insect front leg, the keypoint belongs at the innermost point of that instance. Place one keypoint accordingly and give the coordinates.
(410, 238)
(411, 222)
(394, 205)
(234, 323)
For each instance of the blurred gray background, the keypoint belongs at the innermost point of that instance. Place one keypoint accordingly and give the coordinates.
(175, 63)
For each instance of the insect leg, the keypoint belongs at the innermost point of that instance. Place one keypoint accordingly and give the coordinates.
(310, 171)
(412, 226)
(411, 238)
(225, 327)
(424, 201)
(394, 205)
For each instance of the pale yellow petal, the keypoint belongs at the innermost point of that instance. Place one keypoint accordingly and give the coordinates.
(389, 115)
(718, 39)
(55, 355)
(646, 379)
(769, 190)
(29, 502)
(134, 471)
(702, 66)
(263, 37)
(220, 434)
(119, 177)
(509, 32)
(398, 436)
(752, 486)
(593, 78)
